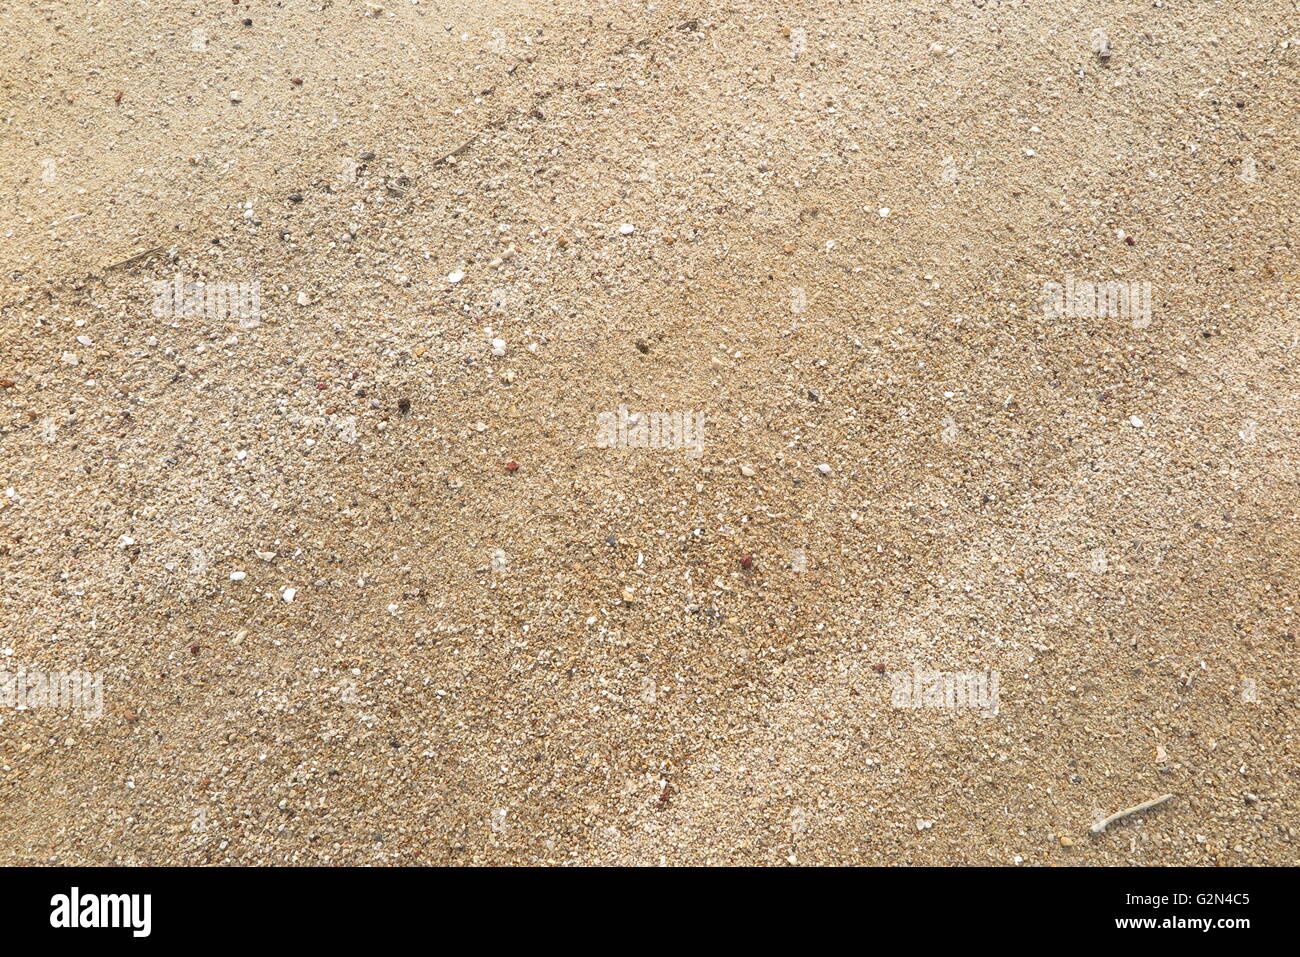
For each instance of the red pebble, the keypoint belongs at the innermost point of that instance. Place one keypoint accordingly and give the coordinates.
(880, 669)
(512, 466)
(747, 560)
(194, 649)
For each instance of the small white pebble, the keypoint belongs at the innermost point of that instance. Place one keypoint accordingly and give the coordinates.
(237, 576)
(290, 594)
(1101, 44)
(1134, 421)
(824, 468)
(455, 277)
(498, 347)
(627, 229)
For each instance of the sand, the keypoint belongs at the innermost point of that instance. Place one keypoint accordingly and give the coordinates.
(365, 579)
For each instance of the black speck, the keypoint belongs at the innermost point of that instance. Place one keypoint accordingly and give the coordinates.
(404, 406)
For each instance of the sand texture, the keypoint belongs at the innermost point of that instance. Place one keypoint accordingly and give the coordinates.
(603, 425)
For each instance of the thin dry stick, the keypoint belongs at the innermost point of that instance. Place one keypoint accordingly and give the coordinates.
(1120, 815)
(132, 260)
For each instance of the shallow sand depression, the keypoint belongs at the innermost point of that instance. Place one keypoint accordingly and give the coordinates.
(633, 433)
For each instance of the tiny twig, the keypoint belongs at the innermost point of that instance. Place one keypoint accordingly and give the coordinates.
(1120, 815)
(456, 152)
(132, 260)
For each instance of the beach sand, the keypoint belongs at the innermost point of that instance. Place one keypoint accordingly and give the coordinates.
(363, 577)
